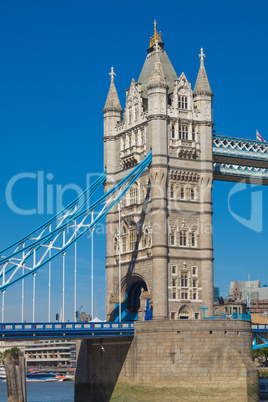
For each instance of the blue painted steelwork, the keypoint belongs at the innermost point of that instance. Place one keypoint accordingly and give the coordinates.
(235, 316)
(259, 328)
(240, 148)
(65, 330)
(245, 317)
(258, 331)
(226, 169)
(149, 312)
(44, 240)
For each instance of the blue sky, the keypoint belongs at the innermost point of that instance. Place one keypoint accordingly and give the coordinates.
(55, 60)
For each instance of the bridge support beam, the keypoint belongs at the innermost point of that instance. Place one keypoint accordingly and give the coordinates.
(170, 360)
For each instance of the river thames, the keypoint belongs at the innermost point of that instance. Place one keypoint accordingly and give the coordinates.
(44, 391)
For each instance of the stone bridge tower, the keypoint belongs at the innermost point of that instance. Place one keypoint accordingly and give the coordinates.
(166, 218)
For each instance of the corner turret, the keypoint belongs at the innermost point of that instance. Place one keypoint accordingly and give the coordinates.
(112, 115)
(202, 93)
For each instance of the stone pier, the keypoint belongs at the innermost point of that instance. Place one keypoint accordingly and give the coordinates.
(193, 360)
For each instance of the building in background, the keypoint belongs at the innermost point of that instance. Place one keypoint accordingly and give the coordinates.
(216, 294)
(53, 353)
(250, 292)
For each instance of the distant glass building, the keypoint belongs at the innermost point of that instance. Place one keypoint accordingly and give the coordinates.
(216, 294)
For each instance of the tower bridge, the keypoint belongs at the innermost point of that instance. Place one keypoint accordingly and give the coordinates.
(160, 160)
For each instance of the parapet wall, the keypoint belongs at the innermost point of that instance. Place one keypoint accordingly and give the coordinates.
(191, 360)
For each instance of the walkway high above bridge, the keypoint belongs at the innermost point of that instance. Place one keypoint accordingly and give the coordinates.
(236, 159)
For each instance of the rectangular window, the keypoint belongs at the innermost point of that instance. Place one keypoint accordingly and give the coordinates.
(174, 269)
(182, 192)
(183, 132)
(183, 102)
(196, 316)
(192, 194)
(172, 237)
(195, 283)
(182, 295)
(183, 237)
(133, 194)
(186, 295)
(132, 239)
(172, 316)
(174, 282)
(194, 270)
(172, 191)
(174, 295)
(194, 296)
(193, 241)
(124, 244)
(172, 131)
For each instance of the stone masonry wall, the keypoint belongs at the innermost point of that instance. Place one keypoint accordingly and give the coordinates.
(193, 360)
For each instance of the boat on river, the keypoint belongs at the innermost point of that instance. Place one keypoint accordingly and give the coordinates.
(2, 373)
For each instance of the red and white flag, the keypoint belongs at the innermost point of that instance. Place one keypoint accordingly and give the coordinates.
(259, 137)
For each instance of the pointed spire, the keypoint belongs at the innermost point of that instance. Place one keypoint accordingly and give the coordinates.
(157, 77)
(202, 83)
(112, 101)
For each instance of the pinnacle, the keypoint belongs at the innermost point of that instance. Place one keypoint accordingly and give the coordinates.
(112, 101)
(157, 76)
(202, 83)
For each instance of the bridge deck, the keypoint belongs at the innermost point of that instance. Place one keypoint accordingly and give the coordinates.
(65, 330)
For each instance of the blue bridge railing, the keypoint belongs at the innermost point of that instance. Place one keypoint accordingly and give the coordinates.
(65, 329)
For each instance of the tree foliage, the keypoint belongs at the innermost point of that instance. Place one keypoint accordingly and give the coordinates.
(4, 354)
(263, 352)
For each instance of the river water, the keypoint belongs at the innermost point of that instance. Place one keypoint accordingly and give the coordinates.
(44, 391)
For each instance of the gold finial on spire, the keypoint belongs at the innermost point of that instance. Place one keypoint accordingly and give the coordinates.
(156, 36)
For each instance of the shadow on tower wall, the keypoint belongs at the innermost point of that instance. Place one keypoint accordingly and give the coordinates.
(96, 377)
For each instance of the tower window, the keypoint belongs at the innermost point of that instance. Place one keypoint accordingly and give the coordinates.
(182, 192)
(174, 282)
(183, 238)
(184, 281)
(192, 194)
(133, 194)
(124, 240)
(183, 102)
(124, 244)
(183, 132)
(193, 239)
(173, 316)
(194, 295)
(132, 239)
(136, 113)
(174, 295)
(172, 131)
(172, 191)
(195, 283)
(172, 237)
(194, 270)
(174, 269)
(193, 133)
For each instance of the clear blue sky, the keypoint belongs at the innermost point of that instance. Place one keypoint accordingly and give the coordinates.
(55, 60)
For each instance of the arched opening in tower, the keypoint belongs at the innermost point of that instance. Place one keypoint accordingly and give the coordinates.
(133, 296)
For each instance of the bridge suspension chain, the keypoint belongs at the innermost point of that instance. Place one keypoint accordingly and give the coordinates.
(45, 243)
